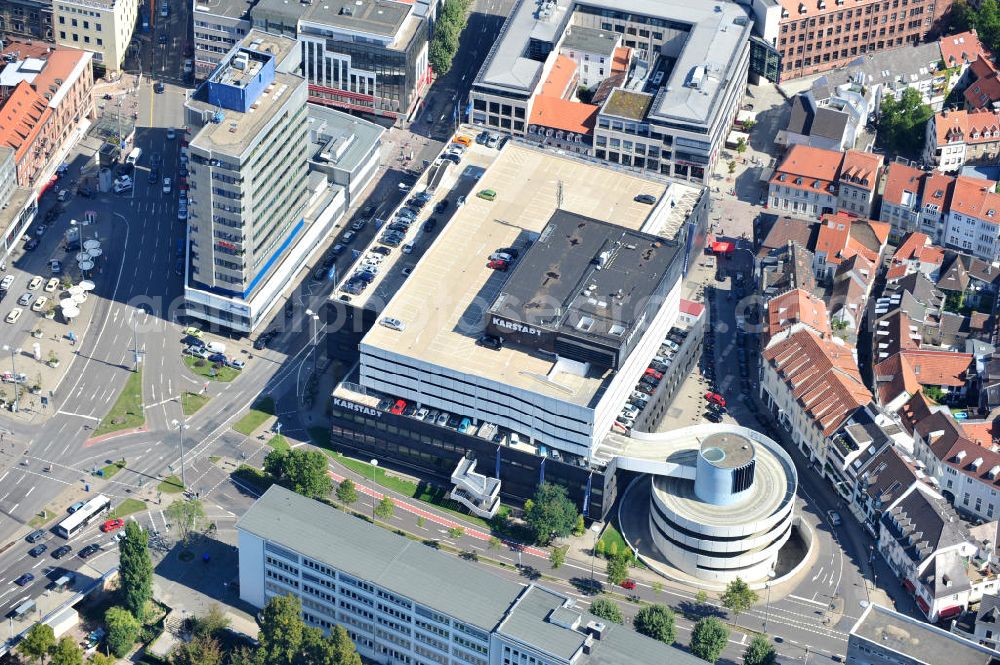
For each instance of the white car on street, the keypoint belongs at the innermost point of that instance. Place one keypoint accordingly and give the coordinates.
(14, 315)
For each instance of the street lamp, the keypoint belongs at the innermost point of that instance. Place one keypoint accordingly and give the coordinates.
(313, 317)
(180, 437)
(767, 607)
(374, 466)
(135, 339)
(13, 355)
(596, 528)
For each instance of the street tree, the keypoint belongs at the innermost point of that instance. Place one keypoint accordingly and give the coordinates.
(67, 652)
(98, 658)
(385, 508)
(551, 514)
(186, 516)
(901, 122)
(608, 610)
(346, 492)
(738, 598)
(701, 597)
(656, 621)
(760, 651)
(123, 630)
(580, 527)
(306, 473)
(741, 145)
(281, 630)
(731, 166)
(212, 623)
(201, 650)
(37, 644)
(618, 568)
(135, 569)
(708, 639)
(557, 556)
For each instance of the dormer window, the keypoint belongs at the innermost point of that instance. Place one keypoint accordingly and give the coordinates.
(798, 181)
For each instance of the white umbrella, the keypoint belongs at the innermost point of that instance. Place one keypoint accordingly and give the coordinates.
(36, 349)
(91, 244)
(67, 302)
(79, 298)
(95, 252)
(86, 265)
(74, 290)
(87, 285)
(82, 256)
(71, 312)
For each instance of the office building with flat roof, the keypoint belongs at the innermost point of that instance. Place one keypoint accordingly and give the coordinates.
(103, 27)
(218, 26)
(257, 209)
(367, 56)
(663, 79)
(884, 637)
(404, 602)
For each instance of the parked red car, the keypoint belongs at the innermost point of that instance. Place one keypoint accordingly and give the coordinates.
(398, 407)
(628, 584)
(715, 398)
(497, 264)
(112, 525)
(653, 373)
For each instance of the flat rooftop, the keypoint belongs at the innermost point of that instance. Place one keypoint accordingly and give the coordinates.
(625, 104)
(585, 277)
(340, 139)
(443, 302)
(590, 40)
(920, 641)
(731, 450)
(384, 18)
(716, 36)
(228, 8)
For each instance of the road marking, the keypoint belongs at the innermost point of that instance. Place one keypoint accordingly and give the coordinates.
(14, 508)
(816, 576)
(78, 415)
(29, 492)
(806, 600)
(40, 562)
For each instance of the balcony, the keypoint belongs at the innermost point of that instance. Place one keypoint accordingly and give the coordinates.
(479, 493)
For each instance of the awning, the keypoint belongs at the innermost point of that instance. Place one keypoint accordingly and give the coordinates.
(734, 137)
(923, 605)
(723, 247)
(949, 612)
(909, 586)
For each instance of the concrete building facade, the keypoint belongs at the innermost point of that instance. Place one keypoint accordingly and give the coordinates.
(103, 27)
(218, 27)
(27, 19)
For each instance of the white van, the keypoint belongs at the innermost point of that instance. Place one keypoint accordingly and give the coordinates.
(133, 156)
(216, 347)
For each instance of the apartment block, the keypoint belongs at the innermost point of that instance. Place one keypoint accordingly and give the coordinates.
(811, 182)
(26, 19)
(218, 27)
(103, 27)
(956, 138)
(403, 602)
(884, 637)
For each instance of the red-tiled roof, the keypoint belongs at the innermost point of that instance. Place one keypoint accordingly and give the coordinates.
(939, 368)
(960, 48)
(808, 168)
(980, 126)
(797, 306)
(563, 114)
(560, 77)
(975, 198)
(860, 169)
(985, 86)
(982, 432)
(691, 308)
(893, 377)
(22, 117)
(620, 59)
(899, 179)
(821, 374)
(841, 236)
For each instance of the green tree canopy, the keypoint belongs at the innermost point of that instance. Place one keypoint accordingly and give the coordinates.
(656, 621)
(98, 658)
(557, 556)
(135, 569)
(346, 492)
(186, 517)
(738, 597)
(901, 122)
(550, 514)
(760, 651)
(123, 630)
(37, 643)
(201, 650)
(385, 508)
(608, 610)
(302, 471)
(618, 567)
(708, 639)
(67, 652)
(448, 29)
(212, 623)
(281, 630)
(985, 19)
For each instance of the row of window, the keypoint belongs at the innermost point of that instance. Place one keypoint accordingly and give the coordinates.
(76, 38)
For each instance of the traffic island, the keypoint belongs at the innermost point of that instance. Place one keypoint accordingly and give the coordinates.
(127, 411)
(251, 422)
(212, 371)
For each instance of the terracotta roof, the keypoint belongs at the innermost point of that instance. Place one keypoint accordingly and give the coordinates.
(59, 65)
(949, 444)
(691, 308)
(902, 185)
(959, 126)
(841, 236)
(939, 368)
(985, 86)
(821, 374)
(937, 189)
(563, 114)
(560, 76)
(22, 118)
(620, 59)
(860, 169)
(961, 48)
(975, 198)
(893, 377)
(808, 168)
(797, 306)
(982, 432)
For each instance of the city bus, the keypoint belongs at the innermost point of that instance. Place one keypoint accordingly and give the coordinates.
(78, 521)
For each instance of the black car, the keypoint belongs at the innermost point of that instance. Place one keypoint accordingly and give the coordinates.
(89, 550)
(31, 244)
(260, 343)
(162, 39)
(512, 251)
(490, 342)
(429, 225)
(60, 552)
(35, 536)
(25, 579)
(384, 251)
(441, 206)
(648, 199)
(713, 417)
(158, 88)
(38, 550)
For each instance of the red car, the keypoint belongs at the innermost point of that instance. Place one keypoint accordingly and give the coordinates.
(497, 264)
(628, 584)
(112, 525)
(715, 398)
(398, 407)
(653, 373)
